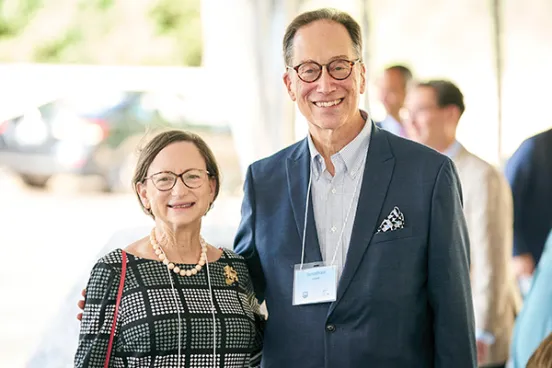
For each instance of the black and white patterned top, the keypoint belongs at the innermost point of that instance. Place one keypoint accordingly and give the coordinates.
(147, 325)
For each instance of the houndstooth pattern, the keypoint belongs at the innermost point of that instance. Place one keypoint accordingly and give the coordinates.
(147, 324)
(394, 221)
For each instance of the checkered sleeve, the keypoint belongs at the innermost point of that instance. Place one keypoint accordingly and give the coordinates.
(256, 354)
(101, 295)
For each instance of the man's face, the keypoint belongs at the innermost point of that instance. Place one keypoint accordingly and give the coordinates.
(426, 122)
(326, 103)
(392, 91)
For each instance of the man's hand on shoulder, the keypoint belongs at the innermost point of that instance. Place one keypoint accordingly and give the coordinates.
(80, 304)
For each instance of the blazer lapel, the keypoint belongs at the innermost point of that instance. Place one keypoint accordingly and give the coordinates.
(298, 173)
(378, 171)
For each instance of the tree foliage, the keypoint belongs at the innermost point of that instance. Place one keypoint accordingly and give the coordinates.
(115, 32)
(15, 15)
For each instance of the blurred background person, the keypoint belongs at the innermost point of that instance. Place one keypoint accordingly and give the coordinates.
(529, 172)
(534, 322)
(434, 111)
(392, 93)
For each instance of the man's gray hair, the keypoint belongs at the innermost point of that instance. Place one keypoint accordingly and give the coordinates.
(338, 16)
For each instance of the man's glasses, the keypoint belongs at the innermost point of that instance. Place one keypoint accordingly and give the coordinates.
(408, 114)
(166, 180)
(311, 71)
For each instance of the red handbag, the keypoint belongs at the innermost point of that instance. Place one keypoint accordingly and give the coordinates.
(119, 296)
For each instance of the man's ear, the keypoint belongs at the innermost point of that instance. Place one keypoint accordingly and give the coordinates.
(362, 78)
(453, 113)
(288, 82)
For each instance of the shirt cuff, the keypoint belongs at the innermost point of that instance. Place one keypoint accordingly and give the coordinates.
(485, 337)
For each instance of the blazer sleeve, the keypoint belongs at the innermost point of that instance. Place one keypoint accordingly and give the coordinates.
(97, 318)
(491, 242)
(449, 288)
(244, 243)
(519, 174)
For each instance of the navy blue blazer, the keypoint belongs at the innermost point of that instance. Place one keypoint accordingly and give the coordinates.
(529, 172)
(404, 297)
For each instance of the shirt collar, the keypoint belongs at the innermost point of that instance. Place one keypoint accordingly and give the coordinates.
(453, 149)
(317, 162)
(391, 125)
(352, 154)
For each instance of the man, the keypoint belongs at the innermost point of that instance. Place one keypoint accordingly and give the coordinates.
(529, 172)
(392, 93)
(435, 108)
(354, 237)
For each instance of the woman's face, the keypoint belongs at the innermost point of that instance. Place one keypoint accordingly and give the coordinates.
(181, 206)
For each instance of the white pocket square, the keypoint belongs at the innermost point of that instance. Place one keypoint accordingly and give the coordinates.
(394, 221)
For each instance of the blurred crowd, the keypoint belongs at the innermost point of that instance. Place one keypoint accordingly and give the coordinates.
(508, 213)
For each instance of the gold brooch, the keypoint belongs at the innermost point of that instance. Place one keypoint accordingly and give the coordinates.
(231, 275)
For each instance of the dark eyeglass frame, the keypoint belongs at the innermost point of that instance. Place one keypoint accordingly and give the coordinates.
(176, 176)
(322, 66)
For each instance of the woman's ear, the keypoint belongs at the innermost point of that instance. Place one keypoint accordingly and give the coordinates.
(141, 189)
(213, 188)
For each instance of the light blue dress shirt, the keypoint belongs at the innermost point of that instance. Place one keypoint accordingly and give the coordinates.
(332, 196)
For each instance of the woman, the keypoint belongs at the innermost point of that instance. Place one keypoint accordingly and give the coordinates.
(184, 302)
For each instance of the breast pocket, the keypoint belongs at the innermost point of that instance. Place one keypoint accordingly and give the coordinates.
(392, 235)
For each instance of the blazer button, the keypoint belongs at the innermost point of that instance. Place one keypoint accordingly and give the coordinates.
(330, 328)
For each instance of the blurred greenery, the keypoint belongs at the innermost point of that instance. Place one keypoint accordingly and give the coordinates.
(104, 4)
(112, 32)
(180, 20)
(58, 49)
(15, 15)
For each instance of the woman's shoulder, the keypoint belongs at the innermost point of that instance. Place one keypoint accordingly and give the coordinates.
(112, 259)
(104, 277)
(108, 265)
(231, 255)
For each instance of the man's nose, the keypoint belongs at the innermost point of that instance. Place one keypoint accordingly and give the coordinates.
(325, 82)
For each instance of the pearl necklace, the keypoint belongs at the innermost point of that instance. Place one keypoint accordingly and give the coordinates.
(163, 258)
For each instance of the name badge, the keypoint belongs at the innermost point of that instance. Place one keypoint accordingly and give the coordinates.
(314, 283)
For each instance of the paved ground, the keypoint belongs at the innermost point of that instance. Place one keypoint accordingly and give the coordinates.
(50, 240)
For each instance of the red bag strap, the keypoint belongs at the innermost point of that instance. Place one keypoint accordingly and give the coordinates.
(119, 296)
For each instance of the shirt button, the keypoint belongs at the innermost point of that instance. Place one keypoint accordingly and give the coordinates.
(333, 229)
(330, 328)
(333, 190)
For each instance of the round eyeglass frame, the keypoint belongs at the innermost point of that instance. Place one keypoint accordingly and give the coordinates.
(322, 66)
(176, 176)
